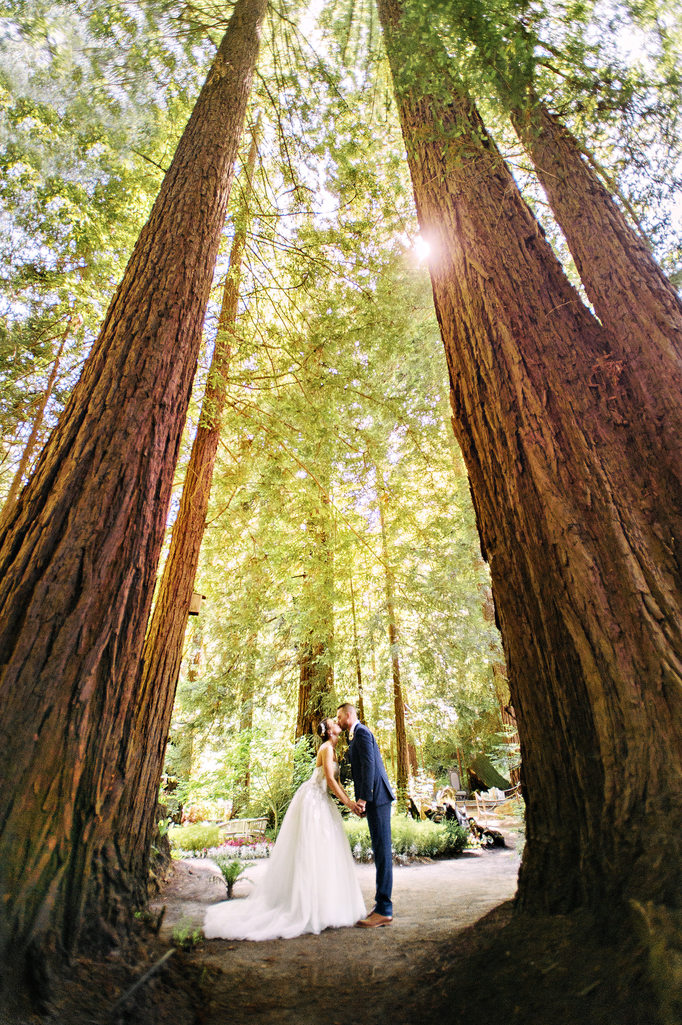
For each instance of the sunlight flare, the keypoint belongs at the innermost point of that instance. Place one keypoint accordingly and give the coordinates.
(422, 248)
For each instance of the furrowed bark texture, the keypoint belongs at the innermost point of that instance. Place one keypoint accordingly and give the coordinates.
(574, 511)
(79, 554)
(639, 308)
(162, 656)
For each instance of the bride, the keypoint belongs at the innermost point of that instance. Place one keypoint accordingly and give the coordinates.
(310, 882)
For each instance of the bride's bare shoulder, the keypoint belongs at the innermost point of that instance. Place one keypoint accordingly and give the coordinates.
(322, 751)
(325, 753)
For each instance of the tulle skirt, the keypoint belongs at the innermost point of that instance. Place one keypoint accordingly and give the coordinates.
(310, 883)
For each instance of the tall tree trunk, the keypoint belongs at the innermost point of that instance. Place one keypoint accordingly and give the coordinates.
(316, 684)
(246, 698)
(32, 442)
(79, 554)
(356, 656)
(574, 517)
(634, 300)
(402, 753)
(162, 656)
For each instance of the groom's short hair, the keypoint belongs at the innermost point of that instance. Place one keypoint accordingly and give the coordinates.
(347, 705)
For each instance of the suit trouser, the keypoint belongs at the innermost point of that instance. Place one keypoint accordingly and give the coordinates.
(379, 822)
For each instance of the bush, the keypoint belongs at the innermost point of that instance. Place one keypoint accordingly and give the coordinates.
(282, 782)
(194, 837)
(410, 839)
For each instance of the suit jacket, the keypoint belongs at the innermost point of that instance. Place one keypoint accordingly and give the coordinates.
(369, 775)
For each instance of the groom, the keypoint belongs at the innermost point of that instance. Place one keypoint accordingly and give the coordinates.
(373, 795)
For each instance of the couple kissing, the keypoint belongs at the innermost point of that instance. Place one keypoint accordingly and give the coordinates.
(310, 883)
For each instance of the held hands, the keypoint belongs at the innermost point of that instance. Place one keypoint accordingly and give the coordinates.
(357, 807)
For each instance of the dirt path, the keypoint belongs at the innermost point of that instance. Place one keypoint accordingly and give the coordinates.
(372, 972)
(454, 955)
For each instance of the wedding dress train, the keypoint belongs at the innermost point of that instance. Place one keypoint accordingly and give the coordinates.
(310, 882)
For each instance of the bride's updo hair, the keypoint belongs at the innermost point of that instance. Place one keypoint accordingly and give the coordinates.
(323, 728)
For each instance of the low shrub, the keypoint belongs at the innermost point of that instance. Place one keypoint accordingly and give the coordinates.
(194, 837)
(410, 838)
(186, 936)
(232, 869)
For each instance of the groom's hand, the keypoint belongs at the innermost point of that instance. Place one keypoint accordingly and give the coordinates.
(361, 806)
(356, 808)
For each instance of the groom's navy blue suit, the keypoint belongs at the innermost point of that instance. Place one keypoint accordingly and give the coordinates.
(372, 786)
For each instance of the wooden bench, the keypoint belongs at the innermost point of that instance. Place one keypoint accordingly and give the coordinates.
(244, 829)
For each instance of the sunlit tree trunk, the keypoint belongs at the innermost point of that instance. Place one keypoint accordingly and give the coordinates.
(571, 486)
(79, 553)
(316, 660)
(634, 300)
(246, 699)
(162, 656)
(402, 753)
(316, 624)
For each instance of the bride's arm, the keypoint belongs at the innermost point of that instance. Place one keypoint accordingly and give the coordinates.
(332, 782)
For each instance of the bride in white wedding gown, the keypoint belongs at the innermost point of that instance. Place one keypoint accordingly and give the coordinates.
(310, 882)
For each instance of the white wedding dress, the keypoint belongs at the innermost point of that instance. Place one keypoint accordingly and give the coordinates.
(310, 882)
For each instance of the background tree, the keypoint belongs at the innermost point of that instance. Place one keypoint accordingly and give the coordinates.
(80, 549)
(92, 100)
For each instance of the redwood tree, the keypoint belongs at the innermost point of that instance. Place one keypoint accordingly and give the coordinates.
(79, 552)
(160, 666)
(637, 305)
(316, 653)
(577, 504)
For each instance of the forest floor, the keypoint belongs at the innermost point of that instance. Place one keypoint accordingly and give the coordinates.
(454, 954)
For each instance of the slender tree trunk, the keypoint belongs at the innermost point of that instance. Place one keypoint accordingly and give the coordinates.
(30, 446)
(243, 787)
(572, 507)
(634, 300)
(316, 685)
(79, 554)
(402, 753)
(356, 656)
(162, 656)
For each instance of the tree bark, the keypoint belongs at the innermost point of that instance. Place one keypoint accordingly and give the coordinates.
(316, 660)
(162, 656)
(634, 300)
(572, 505)
(316, 681)
(402, 753)
(79, 554)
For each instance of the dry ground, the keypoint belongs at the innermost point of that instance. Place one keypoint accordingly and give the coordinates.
(454, 954)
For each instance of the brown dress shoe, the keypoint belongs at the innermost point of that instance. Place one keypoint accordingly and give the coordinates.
(374, 920)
